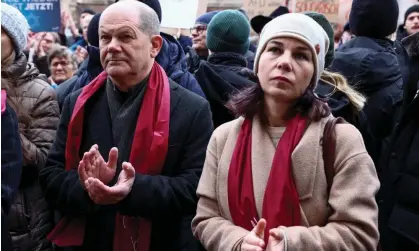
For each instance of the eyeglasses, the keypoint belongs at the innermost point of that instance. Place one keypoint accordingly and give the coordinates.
(199, 29)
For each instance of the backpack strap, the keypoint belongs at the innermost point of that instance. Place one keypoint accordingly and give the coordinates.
(329, 149)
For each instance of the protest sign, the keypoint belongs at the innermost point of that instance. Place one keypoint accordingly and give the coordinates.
(181, 13)
(42, 15)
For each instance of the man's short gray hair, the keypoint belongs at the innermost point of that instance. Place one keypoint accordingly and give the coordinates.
(149, 21)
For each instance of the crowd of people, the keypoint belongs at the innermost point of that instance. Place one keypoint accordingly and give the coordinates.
(118, 136)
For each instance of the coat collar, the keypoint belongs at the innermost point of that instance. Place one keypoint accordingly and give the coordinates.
(306, 154)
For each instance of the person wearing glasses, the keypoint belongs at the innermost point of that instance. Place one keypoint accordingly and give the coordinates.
(199, 50)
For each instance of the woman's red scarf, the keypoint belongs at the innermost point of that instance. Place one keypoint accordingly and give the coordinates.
(281, 206)
(148, 153)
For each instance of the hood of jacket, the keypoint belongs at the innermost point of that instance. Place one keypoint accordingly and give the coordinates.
(172, 57)
(22, 71)
(401, 33)
(92, 63)
(368, 64)
(411, 43)
(219, 81)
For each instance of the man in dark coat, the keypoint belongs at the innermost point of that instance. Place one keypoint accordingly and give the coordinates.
(225, 72)
(410, 24)
(155, 132)
(398, 199)
(171, 57)
(370, 64)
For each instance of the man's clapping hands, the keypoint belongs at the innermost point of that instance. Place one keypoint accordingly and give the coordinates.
(96, 174)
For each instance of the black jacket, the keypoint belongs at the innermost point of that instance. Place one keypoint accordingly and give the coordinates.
(172, 59)
(222, 75)
(372, 67)
(169, 199)
(398, 199)
(11, 158)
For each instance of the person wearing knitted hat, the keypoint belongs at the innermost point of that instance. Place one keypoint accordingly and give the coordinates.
(370, 62)
(266, 184)
(14, 33)
(225, 72)
(327, 27)
(411, 20)
(37, 110)
(343, 100)
(199, 34)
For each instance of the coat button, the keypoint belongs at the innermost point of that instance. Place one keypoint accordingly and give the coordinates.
(393, 155)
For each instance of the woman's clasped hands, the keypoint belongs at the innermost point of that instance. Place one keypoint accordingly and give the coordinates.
(254, 241)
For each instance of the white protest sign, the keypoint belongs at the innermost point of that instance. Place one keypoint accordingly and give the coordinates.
(179, 13)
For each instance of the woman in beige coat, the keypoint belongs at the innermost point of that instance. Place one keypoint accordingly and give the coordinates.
(264, 183)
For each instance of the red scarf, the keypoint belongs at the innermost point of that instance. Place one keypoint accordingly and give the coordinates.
(148, 153)
(281, 206)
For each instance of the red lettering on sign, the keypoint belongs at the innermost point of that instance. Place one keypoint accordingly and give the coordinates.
(321, 7)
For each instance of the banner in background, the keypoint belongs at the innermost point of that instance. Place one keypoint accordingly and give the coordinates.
(337, 11)
(329, 8)
(181, 13)
(42, 15)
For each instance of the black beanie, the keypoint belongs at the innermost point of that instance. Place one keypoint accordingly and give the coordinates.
(414, 8)
(154, 4)
(374, 18)
(93, 30)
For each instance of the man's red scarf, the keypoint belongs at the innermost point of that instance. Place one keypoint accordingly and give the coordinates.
(148, 153)
(281, 206)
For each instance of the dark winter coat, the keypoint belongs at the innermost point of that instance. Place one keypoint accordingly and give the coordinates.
(398, 199)
(11, 168)
(11, 158)
(222, 75)
(172, 58)
(170, 201)
(88, 70)
(401, 33)
(30, 219)
(41, 64)
(372, 67)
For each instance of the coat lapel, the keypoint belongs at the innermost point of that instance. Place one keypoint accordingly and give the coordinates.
(306, 158)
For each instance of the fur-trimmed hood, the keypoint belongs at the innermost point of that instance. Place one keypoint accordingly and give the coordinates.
(411, 43)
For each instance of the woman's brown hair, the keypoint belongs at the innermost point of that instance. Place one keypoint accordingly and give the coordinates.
(249, 102)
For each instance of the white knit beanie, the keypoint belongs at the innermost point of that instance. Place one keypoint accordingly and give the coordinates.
(302, 28)
(16, 26)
